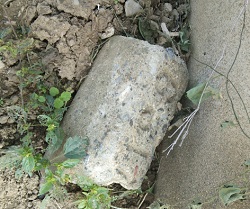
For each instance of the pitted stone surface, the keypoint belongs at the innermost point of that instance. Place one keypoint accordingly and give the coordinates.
(124, 106)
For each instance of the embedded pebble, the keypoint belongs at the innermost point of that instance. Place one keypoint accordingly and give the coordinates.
(4, 119)
(168, 7)
(43, 9)
(132, 8)
(2, 65)
(110, 31)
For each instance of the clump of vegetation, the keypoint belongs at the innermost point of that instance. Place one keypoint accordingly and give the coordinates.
(49, 104)
(42, 107)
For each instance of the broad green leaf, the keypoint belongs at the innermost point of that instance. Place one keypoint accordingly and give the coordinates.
(11, 157)
(25, 45)
(18, 173)
(75, 147)
(70, 163)
(158, 205)
(82, 204)
(84, 182)
(28, 164)
(247, 163)
(227, 124)
(147, 30)
(93, 202)
(41, 99)
(230, 194)
(155, 205)
(65, 96)
(54, 139)
(184, 36)
(45, 202)
(26, 140)
(45, 187)
(195, 205)
(195, 93)
(41, 163)
(58, 103)
(53, 91)
(50, 101)
(48, 173)
(5, 32)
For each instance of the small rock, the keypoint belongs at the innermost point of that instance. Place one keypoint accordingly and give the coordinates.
(154, 25)
(14, 99)
(2, 65)
(29, 14)
(118, 9)
(49, 28)
(132, 8)
(30, 205)
(35, 191)
(43, 9)
(110, 31)
(175, 14)
(67, 68)
(168, 7)
(161, 40)
(32, 197)
(10, 120)
(166, 20)
(76, 7)
(3, 119)
(155, 18)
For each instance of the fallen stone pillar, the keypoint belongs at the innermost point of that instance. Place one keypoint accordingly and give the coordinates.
(125, 106)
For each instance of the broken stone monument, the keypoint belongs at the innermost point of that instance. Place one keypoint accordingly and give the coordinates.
(124, 107)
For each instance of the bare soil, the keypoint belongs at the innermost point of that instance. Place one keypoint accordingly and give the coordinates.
(67, 41)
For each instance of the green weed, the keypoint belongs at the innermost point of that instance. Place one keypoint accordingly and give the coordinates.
(95, 196)
(184, 42)
(50, 104)
(1, 102)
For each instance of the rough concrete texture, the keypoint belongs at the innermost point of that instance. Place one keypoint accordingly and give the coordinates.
(211, 156)
(124, 106)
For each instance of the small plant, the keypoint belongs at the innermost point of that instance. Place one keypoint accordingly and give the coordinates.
(194, 94)
(1, 102)
(95, 196)
(58, 177)
(50, 105)
(16, 48)
(231, 193)
(184, 42)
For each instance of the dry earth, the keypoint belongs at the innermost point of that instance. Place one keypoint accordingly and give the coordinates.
(66, 41)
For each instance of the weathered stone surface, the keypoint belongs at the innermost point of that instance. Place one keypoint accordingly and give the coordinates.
(2, 65)
(124, 106)
(212, 156)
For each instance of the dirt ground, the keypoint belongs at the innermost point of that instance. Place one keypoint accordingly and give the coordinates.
(66, 41)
